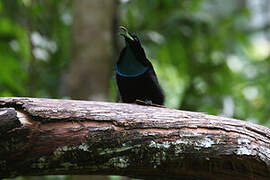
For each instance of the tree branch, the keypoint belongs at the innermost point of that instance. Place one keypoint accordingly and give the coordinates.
(46, 136)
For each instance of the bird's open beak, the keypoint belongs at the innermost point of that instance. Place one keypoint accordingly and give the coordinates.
(125, 33)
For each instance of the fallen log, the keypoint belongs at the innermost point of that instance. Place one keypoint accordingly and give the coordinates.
(50, 137)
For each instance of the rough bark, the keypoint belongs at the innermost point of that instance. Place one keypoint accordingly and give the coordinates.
(46, 136)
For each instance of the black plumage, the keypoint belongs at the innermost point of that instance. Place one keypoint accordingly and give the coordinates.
(135, 75)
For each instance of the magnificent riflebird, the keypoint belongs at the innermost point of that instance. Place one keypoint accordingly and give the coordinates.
(135, 75)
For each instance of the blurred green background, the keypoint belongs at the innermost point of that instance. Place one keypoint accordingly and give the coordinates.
(210, 56)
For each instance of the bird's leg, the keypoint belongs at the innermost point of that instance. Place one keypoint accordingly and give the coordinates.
(147, 103)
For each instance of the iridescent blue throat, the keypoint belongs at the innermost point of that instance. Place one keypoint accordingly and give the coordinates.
(130, 75)
(129, 65)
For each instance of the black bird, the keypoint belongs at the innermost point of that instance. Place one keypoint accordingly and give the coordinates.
(135, 75)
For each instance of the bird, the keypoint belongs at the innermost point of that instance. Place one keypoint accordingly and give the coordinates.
(135, 76)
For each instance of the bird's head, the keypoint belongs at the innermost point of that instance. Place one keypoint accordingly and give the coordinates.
(133, 48)
(129, 37)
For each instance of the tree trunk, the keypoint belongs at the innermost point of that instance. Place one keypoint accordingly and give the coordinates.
(92, 50)
(46, 136)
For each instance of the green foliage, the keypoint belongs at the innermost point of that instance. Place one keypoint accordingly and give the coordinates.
(34, 46)
(205, 55)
